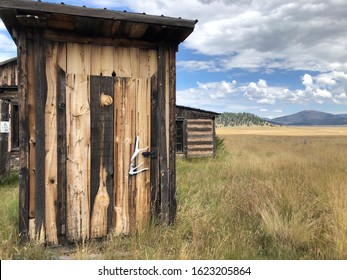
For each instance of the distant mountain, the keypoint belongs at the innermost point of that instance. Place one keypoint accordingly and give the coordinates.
(239, 119)
(310, 117)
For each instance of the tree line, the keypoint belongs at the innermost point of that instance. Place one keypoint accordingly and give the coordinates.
(240, 119)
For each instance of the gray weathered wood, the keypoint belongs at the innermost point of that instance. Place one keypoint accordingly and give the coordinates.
(40, 97)
(172, 128)
(4, 160)
(23, 137)
(102, 138)
(61, 154)
(162, 114)
(155, 186)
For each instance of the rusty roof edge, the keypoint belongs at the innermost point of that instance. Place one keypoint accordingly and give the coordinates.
(96, 13)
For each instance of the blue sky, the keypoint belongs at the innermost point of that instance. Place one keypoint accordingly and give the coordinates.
(270, 58)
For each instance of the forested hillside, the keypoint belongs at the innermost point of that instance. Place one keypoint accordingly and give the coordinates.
(238, 119)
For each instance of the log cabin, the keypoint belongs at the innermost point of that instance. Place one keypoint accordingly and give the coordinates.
(195, 132)
(96, 97)
(9, 138)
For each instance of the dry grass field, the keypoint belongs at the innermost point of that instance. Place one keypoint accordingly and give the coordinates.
(279, 193)
(285, 130)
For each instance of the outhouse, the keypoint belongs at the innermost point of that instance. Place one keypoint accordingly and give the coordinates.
(195, 132)
(96, 95)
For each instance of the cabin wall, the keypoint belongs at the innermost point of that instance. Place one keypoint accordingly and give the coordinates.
(63, 133)
(198, 132)
(4, 136)
(200, 139)
(8, 101)
(9, 74)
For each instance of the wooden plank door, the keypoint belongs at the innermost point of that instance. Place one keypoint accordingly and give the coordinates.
(132, 113)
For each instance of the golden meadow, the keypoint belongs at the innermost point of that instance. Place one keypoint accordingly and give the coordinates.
(270, 193)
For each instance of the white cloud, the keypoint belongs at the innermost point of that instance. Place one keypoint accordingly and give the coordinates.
(7, 47)
(329, 87)
(253, 34)
(299, 35)
(307, 80)
(2, 25)
(264, 110)
(206, 94)
(277, 111)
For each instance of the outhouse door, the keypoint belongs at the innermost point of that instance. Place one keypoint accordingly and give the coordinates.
(108, 139)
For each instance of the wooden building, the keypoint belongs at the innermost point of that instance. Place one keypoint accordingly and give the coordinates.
(9, 138)
(96, 95)
(195, 132)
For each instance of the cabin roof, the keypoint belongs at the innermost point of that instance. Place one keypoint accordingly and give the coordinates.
(184, 108)
(8, 61)
(94, 22)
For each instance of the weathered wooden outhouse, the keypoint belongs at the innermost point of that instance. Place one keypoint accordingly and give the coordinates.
(96, 118)
(9, 138)
(195, 132)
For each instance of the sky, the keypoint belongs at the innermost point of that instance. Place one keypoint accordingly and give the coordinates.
(266, 57)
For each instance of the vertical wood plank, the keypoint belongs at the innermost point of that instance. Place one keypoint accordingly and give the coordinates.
(40, 99)
(106, 61)
(172, 131)
(23, 135)
(124, 138)
(78, 157)
(163, 157)
(121, 190)
(51, 189)
(61, 152)
(126, 62)
(62, 56)
(102, 60)
(78, 58)
(32, 128)
(154, 165)
(96, 67)
(102, 138)
(143, 131)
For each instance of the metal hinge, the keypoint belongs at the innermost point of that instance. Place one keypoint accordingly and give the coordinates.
(153, 154)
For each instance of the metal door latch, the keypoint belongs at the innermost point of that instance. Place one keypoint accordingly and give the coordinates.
(149, 154)
(133, 170)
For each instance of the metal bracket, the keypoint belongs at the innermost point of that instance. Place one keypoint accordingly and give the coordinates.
(150, 154)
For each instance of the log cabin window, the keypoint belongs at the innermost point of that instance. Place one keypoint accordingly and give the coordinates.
(14, 127)
(179, 136)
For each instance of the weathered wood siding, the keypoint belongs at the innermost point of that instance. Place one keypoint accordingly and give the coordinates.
(83, 149)
(4, 154)
(9, 112)
(90, 81)
(199, 135)
(200, 138)
(9, 73)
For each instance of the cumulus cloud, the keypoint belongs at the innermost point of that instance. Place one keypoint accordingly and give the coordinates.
(330, 87)
(307, 80)
(252, 34)
(7, 47)
(298, 35)
(206, 93)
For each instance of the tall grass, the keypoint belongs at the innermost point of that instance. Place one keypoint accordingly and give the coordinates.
(261, 197)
